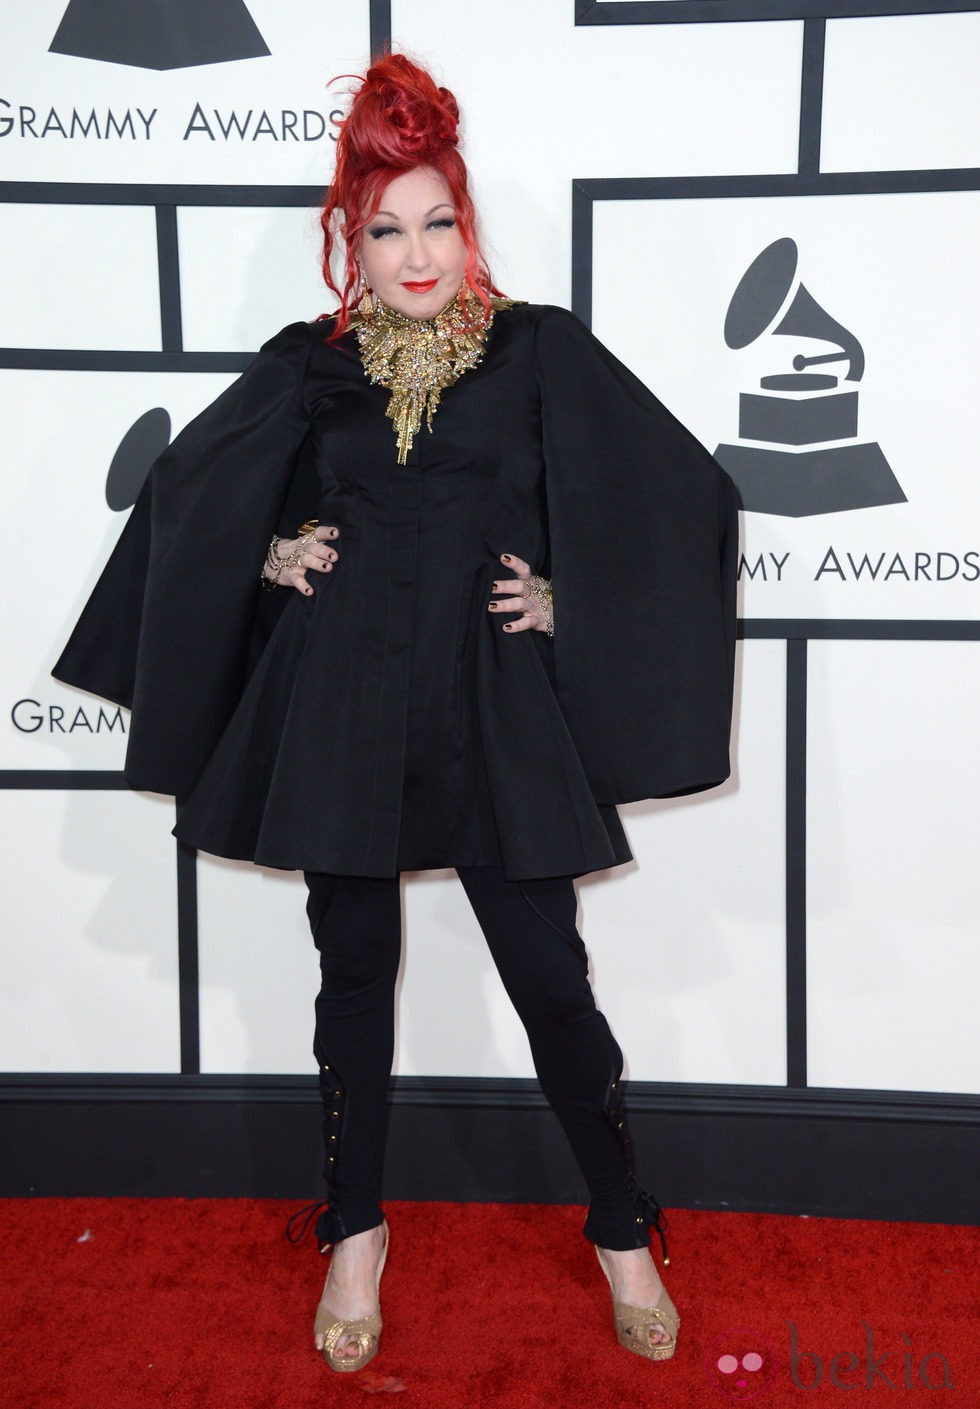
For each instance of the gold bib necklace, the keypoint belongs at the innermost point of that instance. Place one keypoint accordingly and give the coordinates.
(417, 358)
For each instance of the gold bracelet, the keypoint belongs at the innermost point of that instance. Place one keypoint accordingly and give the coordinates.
(541, 587)
(274, 560)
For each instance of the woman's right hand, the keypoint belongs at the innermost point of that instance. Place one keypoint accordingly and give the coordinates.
(318, 555)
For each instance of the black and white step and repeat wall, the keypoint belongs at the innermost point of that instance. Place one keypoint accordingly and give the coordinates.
(771, 212)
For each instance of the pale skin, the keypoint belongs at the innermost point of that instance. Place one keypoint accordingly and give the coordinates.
(413, 258)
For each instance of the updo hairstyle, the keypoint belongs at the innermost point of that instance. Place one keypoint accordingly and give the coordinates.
(398, 120)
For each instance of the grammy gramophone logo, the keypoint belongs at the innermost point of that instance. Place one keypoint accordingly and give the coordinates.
(159, 34)
(798, 451)
(146, 439)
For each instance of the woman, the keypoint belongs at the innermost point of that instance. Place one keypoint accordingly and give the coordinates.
(408, 670)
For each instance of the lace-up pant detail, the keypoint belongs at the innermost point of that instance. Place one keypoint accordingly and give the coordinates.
(530, 930)
(356, 924)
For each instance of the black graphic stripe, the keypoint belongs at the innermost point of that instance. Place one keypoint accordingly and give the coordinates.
(187, 961)
(380, 12)
(168, 260)
(47, 359)
(811, 95)
(81, 193)
(812, 629)
(826, 183)
(582, 249)
(61, 779)
(588, 12)
(796, 858)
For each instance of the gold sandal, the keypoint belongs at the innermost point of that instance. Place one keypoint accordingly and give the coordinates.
(634, 1323)
(366, 1330)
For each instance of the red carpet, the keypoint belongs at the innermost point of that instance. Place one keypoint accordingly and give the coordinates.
(202, 1304)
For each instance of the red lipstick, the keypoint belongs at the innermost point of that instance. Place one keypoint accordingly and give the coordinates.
(422, 287)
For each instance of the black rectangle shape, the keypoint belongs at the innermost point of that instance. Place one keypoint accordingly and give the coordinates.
(786, 420)
(589, 12)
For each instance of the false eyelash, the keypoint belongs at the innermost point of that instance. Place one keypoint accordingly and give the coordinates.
(448, 222)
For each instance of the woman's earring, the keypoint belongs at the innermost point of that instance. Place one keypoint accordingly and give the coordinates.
(366, 304)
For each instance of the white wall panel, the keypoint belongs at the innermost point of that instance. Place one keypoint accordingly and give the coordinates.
(545, 102)
(86, 277)
(454, 1017)
(60, 433)
(894, 889)
(259, 978)
(258, 969)
(89, 955)
(246, 273)
(687, 943)
(688, 947)
(178, 118)
(890, 268)
(901, 92)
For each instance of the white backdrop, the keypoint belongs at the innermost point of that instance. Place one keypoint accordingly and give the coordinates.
(689, 957)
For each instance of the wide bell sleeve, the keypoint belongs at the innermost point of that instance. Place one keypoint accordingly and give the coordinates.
(643, 531)
(168, 628)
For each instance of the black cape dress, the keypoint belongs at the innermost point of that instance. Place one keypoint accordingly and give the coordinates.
(387, 722)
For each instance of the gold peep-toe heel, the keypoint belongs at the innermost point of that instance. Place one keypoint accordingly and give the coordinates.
(634, 1323)
(366, 1330)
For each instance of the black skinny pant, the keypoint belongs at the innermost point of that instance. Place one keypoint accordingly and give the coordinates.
(530, 929)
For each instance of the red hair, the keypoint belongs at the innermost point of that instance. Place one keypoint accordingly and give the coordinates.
(399, 120)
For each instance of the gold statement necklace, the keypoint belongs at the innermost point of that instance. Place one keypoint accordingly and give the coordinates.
(417, 358)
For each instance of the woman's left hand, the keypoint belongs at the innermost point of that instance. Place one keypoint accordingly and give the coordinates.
(525, 593)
